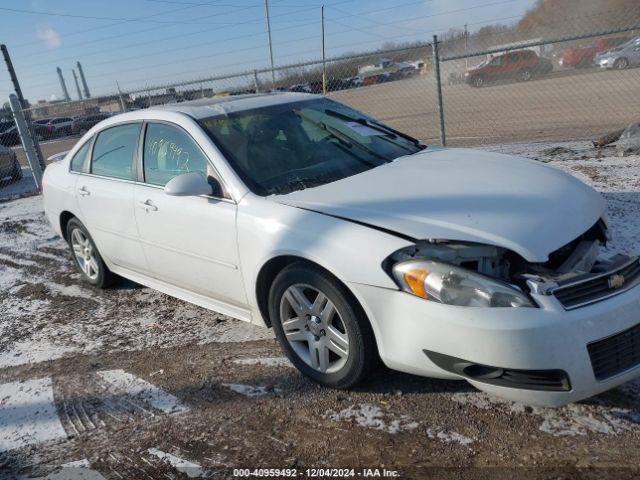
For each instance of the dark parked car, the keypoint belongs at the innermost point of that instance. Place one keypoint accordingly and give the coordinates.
(521, 64)
(9, 166)
(11, 137)
(83, 124)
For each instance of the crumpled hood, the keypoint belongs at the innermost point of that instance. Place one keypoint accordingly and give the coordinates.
(465, 195)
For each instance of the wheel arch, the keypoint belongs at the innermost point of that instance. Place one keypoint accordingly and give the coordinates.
(65, 217)
(274, 266)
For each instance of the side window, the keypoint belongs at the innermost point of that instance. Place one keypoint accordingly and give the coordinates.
(78, 160)
(113, 151)
(170, 151)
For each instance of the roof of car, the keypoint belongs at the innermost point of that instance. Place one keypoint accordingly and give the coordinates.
(209, 107)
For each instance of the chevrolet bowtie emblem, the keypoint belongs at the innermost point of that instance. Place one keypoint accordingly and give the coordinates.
(616, 281)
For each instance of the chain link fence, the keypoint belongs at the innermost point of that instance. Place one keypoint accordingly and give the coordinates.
(529, 89)
(502, 86)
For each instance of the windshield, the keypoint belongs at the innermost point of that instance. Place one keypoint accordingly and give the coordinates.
(298, 145)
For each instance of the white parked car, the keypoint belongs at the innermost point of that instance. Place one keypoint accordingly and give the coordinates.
(621, 57)
(356, 242)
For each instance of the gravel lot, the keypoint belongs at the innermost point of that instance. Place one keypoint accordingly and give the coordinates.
(134, 384)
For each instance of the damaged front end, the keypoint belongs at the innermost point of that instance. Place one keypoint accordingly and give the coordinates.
(471, 274)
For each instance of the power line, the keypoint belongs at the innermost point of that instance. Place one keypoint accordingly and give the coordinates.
(155, 41)
(119, 19)
(351, 44)
(101, 27)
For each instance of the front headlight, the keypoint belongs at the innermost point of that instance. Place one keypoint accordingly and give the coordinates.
(454, 285)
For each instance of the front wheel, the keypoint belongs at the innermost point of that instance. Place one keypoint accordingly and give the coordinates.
(320, 327)
(86, 256)
(621, 64)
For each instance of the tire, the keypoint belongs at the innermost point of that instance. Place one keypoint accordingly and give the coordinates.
(98, 274)
(336, 350)
(621, 64)
(477, 82)
(525, 75)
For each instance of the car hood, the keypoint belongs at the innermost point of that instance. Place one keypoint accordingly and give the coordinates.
(464, 195)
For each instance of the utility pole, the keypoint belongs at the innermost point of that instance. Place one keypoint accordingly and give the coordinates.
(23, 102)
(466, 38)
(324, 65)
(273, 73)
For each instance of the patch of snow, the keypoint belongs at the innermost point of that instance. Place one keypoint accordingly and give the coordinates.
(265, 361)
(84, 463)
(248, 390)
(190, 469)
(372, 416)
(23, 352)
(28, 414)
(449, 436)
(125, 383)
(574, 419)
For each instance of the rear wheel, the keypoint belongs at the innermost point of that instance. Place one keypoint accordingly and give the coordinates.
(477, 82)
(621, 64)
(86, 256)
(320, 327)
(525, 75)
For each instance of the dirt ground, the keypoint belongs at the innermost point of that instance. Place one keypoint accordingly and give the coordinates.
(142, 385)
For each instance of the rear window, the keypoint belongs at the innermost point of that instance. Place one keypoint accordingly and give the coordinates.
(113, 151)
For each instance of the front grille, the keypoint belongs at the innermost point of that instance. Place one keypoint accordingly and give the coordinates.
(615, 354)
(595, 288)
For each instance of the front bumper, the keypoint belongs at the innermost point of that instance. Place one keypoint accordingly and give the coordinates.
(605, 63)
(545, 338)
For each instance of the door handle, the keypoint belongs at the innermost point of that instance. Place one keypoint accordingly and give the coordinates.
(84, 191)
(148, 206)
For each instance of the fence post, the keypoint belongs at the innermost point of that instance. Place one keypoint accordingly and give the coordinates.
(436, 64)
(324, 59)
(123, 105)
(25, 137)
(256, 84)
(23, 104)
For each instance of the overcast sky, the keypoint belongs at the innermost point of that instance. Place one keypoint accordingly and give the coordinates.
(143, 42)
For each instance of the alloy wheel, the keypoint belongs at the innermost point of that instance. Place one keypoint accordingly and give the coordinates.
(314, 328)
(85, 254)
(622, 63)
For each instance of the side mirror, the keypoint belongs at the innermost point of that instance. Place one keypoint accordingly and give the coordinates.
(190, 184)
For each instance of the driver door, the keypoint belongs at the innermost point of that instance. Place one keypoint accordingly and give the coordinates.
(189, 242)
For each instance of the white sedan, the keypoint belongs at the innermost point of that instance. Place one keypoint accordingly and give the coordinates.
(355, 242)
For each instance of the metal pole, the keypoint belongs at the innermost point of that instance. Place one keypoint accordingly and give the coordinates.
(256, 84)
(324, 64)
(466, 38)
(273, 73)
(23, 102)
(27, 141)
(436, 64)
(123, 105)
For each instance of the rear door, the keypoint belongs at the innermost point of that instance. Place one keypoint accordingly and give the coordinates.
(104, 192)
(189, 242)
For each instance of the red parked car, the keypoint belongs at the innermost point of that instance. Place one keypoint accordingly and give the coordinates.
(521, 64)
(581, 57)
